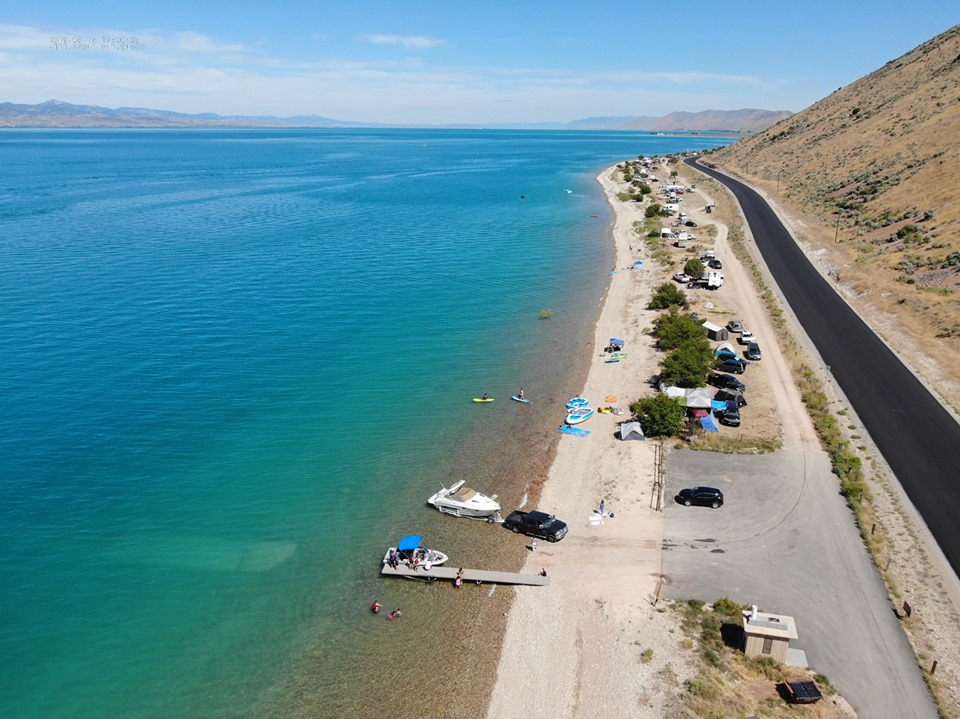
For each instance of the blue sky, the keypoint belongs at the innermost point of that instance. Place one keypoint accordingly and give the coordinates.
(423, 61)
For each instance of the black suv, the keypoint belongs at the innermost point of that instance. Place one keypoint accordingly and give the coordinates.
(753, 351)
(725, 381)
(702, 496)
(737, 366)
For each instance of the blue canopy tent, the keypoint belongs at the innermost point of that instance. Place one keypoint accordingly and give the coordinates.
(708, 424)
(615, 341)
(409, 543)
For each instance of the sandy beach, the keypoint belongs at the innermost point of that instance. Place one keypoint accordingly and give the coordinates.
(576, 648)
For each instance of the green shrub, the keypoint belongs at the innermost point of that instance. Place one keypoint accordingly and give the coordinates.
(694, 268)
(668, 295)
(673, 329)
(659, 415)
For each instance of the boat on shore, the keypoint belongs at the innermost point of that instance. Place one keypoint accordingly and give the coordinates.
(461, 501)
(409, 553)
(577, 402)
(581, 414)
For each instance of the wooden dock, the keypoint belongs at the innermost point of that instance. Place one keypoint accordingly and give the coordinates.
(470, 576)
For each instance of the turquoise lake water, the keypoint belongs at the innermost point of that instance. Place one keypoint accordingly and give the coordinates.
(234, 365)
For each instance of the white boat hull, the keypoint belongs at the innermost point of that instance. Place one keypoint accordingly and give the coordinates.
(422, 556)
(460, 501)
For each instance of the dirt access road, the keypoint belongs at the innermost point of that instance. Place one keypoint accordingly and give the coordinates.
(785, 540)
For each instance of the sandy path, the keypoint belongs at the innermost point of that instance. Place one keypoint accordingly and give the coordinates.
(575, 648)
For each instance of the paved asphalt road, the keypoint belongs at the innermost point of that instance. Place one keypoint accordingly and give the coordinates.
(785, 541)
(918, 438)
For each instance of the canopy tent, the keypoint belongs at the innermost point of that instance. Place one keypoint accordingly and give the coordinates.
(708, 424)
(719, 404)
(732, 394)
(631, 430)
(698, 413)
(674, 392)
(725, 346)
(615, 341)
(698, 398)
(408, 543)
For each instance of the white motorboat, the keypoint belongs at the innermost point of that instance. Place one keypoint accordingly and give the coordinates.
(409, 552)
(462, 501)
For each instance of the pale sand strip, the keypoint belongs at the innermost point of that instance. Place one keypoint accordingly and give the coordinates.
(574, 649)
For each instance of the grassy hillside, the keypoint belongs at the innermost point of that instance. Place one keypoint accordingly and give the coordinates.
(871, 176)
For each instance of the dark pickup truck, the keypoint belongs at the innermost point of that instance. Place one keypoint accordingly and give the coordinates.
(536, 524)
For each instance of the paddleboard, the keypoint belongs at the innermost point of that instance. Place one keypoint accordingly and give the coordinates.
(481, 399)
(520, 399)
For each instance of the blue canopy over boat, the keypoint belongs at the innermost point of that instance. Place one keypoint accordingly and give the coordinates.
(408, 543)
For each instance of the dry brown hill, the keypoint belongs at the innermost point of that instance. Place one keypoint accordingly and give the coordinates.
(872, 175)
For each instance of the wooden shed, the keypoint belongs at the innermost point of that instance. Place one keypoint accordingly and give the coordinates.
(768, 635)
(715, 332)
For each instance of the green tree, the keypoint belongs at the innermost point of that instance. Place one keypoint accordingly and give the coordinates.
(659, 415)
(687, 365)
(645, 189)
(694, 268)
(653, 210)
(673, 329)
(668, 295)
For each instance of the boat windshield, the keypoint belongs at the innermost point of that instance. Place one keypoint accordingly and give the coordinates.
(464, 494)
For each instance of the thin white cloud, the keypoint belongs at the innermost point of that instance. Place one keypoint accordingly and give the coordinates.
(195, 42)
(190, 72)
(19, 37)
(402, 40)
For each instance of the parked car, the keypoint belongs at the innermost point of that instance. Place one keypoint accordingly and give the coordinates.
(725, 381)
(536, 524)
(753, 351)
(737, 366)
(735, 326)
(746, 337)
(690, 223)
(730, 415)
(702, 496)
(680, 277)
(715, 264)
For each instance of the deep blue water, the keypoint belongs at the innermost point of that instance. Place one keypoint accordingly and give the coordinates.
(234, 364)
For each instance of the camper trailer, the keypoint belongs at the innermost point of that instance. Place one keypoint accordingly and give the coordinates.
(711, 279)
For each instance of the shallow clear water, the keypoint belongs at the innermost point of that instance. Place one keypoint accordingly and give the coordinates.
(234, 364)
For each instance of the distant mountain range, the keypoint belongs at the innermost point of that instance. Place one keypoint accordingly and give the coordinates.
(54, 113)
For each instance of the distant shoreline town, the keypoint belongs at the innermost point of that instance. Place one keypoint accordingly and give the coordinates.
(56, 114)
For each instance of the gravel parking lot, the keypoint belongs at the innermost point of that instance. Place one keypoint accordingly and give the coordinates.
(785, 540)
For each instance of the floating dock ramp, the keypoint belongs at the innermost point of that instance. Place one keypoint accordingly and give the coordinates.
(476, 576)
